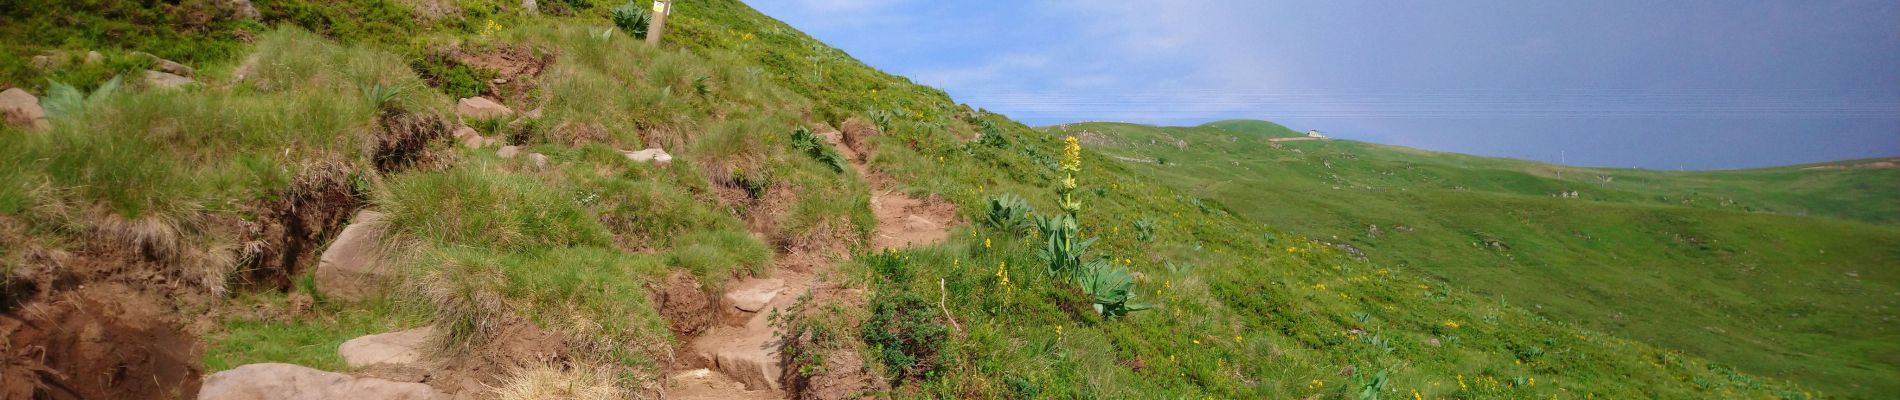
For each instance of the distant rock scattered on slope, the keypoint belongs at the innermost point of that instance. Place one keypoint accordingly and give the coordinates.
(481, 108)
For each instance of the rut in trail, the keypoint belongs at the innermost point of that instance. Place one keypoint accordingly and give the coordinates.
(738, 357)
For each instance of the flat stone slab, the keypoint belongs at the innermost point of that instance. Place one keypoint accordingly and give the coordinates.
(296, 382)
(402, 347)
(166, 80)
(752, 295)
(482, 108)
(655, 155)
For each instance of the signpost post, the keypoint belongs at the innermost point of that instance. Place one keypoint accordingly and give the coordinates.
(660, 9)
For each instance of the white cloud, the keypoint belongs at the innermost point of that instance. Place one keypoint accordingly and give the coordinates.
(1001, 70)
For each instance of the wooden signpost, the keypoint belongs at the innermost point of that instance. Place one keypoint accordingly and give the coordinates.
(660, 9)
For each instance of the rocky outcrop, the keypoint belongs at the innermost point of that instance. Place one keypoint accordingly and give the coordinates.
(295, 382)
(539, 160)
(20, 108)
(481, 108)
(404, 347)
(508, 151)
(353, 267)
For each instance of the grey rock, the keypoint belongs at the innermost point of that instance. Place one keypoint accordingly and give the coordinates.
(20, 108)
(402, 347)
(655, 155)
(481, 108)
(166, 80)
(752, 295)
(353, 267)
(296, 382)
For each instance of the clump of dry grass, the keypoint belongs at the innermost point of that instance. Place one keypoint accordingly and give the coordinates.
(579, 382)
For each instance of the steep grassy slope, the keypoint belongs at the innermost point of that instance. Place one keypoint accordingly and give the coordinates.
(1693, 261)
(210, 203)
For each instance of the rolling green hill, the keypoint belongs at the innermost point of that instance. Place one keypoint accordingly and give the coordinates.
(566, 265)
(1722, 264)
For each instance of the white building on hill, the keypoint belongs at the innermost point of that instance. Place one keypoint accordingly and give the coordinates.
(1315, 134)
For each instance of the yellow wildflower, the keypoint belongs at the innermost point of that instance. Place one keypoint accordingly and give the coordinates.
(1236, 339)
(1319, 286)
(491, 28)
(1451, 324)
(1197, 341)
(986, 243)
(1002, 274)
(1461, 382)
(1315, 384)
(1291, 250)
(1071, 155)
(1415, 395)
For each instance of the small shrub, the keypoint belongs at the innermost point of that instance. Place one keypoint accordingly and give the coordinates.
(444, 72)
(1009, 212)
(804, 141)
(905, 335)
(1111, 288)
(992, 135)
(66, 101)
(379, 95)
(882, 119)
(633, 18)
(1145, 229)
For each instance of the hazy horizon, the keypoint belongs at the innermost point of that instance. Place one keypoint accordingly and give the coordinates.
(1703, 85)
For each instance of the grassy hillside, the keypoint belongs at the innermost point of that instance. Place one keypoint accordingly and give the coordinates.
(200, 212)
(1713, 263)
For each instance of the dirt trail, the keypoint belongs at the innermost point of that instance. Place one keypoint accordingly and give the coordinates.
(738, 358)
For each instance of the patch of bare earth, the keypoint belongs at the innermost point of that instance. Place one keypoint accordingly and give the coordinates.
(108, 307)
(108, 317)
(743, 353)
(902, 220)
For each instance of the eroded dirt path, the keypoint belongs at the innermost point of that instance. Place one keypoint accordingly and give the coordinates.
(739, 357)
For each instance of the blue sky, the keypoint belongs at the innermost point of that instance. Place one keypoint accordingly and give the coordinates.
(1663, 85)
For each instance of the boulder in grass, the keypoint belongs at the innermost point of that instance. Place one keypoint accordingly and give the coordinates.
(353, 267)
(169, 66)
(396, 348)
(469, 137)
(508, 151)
(19, 108)
(656, 155)
(481, 108)
(166, 80)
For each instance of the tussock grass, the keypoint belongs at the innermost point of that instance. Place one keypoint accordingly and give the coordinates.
(715, 256)
(582, 382)
(473, 206)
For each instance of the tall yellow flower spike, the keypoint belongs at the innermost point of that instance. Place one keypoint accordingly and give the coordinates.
(1071, 154)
